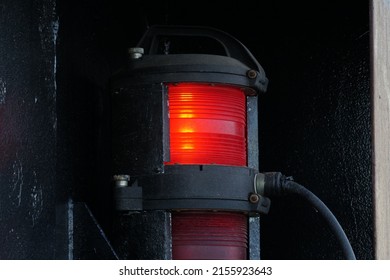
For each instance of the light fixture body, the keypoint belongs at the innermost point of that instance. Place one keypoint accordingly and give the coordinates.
(185, 129)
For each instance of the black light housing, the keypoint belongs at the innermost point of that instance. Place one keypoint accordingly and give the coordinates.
(166, 110)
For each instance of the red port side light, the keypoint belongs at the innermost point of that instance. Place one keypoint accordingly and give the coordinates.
(207, 124)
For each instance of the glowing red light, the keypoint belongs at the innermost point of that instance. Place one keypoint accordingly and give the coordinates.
(207, 124)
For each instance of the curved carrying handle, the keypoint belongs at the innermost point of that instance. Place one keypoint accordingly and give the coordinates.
(233, 47)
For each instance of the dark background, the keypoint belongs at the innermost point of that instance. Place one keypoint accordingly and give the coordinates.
(56, 58)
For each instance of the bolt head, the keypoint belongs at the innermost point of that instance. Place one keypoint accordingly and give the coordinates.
(121, 180)
(254, 198)
(251, 74)
(135, 53)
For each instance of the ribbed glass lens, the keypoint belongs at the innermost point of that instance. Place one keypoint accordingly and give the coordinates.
(207, 124)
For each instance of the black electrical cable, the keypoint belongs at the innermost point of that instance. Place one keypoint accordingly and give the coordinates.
(277, 184)
(295, 188)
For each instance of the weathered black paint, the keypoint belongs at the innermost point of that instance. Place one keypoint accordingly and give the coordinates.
(27, 129)
(314, 120)
(143, 235)
(89, 241)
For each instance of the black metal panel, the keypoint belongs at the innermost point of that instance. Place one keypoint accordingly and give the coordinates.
(143, 236)
(138, 138)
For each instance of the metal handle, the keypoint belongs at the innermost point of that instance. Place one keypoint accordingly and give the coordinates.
(233, 48)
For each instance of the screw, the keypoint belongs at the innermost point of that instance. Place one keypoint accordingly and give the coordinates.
(254, 198)
(135, 53)
(121, 180)
(251, 74)
(157, 170)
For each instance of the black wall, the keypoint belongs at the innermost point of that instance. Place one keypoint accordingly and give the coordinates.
(28, 127)
(314, 120)
(316, 126)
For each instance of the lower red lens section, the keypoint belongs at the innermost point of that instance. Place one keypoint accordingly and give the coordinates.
(209, 236)
(207, 124)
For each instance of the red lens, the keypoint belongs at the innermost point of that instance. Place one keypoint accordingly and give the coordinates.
(207, 124)
(209, 236)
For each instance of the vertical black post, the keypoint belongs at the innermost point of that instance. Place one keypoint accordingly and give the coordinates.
(28, 126)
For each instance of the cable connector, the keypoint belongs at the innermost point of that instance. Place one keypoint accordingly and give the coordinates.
(270, 184)
(273, 184)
